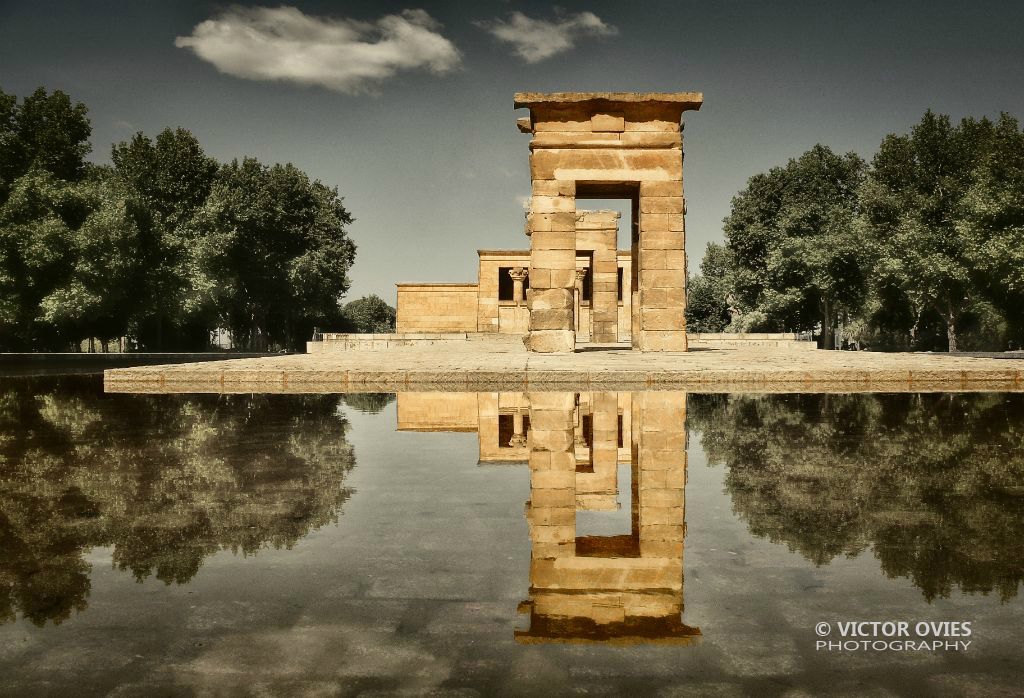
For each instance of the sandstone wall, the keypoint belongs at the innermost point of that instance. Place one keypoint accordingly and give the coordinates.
(437, 308)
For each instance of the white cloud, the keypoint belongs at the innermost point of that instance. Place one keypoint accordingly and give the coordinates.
(283, 43)
(536, 39)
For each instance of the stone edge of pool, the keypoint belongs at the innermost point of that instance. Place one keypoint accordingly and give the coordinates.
(712, 371)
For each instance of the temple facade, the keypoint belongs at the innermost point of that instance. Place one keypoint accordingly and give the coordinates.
(498, 301)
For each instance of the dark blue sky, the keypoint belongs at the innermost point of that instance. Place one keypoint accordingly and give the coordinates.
(431, 164)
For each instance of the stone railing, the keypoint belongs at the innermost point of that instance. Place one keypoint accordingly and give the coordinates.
(724, 340)
(342, 341)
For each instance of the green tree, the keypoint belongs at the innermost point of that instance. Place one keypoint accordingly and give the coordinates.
(371, 403)
(797, 257)
(164, 245)
(912, 205)
(167, 180)
(48, 132)
(37, 224)
(708, 293)
(9, 165)
(992, 223)
(43, 144)
(369, 315)
(100, 296)
(272, 253)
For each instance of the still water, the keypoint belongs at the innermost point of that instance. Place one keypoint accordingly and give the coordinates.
(656, 543)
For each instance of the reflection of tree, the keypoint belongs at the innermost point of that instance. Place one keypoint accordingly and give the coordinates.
(932, 482)
(371, 403)
(165, 480)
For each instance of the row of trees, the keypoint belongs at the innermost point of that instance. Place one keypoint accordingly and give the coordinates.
(163, 246)
(922, 248)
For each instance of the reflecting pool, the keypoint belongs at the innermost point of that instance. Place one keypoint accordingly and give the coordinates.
(509, 543)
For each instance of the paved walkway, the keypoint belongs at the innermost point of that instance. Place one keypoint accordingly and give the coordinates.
(509, 367)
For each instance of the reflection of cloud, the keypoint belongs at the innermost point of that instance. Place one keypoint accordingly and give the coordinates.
(283, 43)
(321, 657)
(534, 40)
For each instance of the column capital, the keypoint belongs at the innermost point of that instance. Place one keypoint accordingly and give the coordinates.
(518, 273)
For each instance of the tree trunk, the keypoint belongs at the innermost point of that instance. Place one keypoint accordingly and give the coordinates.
(828, 338)
(951, 329)
(254, 334)
(92, 345)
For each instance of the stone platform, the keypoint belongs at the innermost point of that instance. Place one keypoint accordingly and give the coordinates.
(493, 367)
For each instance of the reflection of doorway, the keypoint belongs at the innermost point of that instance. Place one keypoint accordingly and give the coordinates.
(513, 429)
(613, 532)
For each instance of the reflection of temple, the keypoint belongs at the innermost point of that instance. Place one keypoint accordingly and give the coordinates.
(624, 584)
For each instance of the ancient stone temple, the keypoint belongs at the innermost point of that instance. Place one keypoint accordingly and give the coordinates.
(573, 285)
(607, 145)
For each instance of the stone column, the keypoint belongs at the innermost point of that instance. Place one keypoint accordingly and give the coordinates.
(608, 145)
(597, 231)
(577, 294)
(518, 275)
(551, 225)
(662, 270)
(623, 594)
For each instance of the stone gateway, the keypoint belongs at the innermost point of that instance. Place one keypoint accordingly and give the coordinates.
(606, 145)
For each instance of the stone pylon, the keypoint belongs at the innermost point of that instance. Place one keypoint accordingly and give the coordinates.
(607, 145)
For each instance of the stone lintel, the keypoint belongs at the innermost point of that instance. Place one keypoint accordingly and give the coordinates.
(605, 120)
(519, 255)
(685, 100)
(504, 254)
(597, 220)
(431, 285)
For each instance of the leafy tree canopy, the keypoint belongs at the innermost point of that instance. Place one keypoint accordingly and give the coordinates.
(163, 246)
(913, 208)
(796, 254)
(369, 315)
